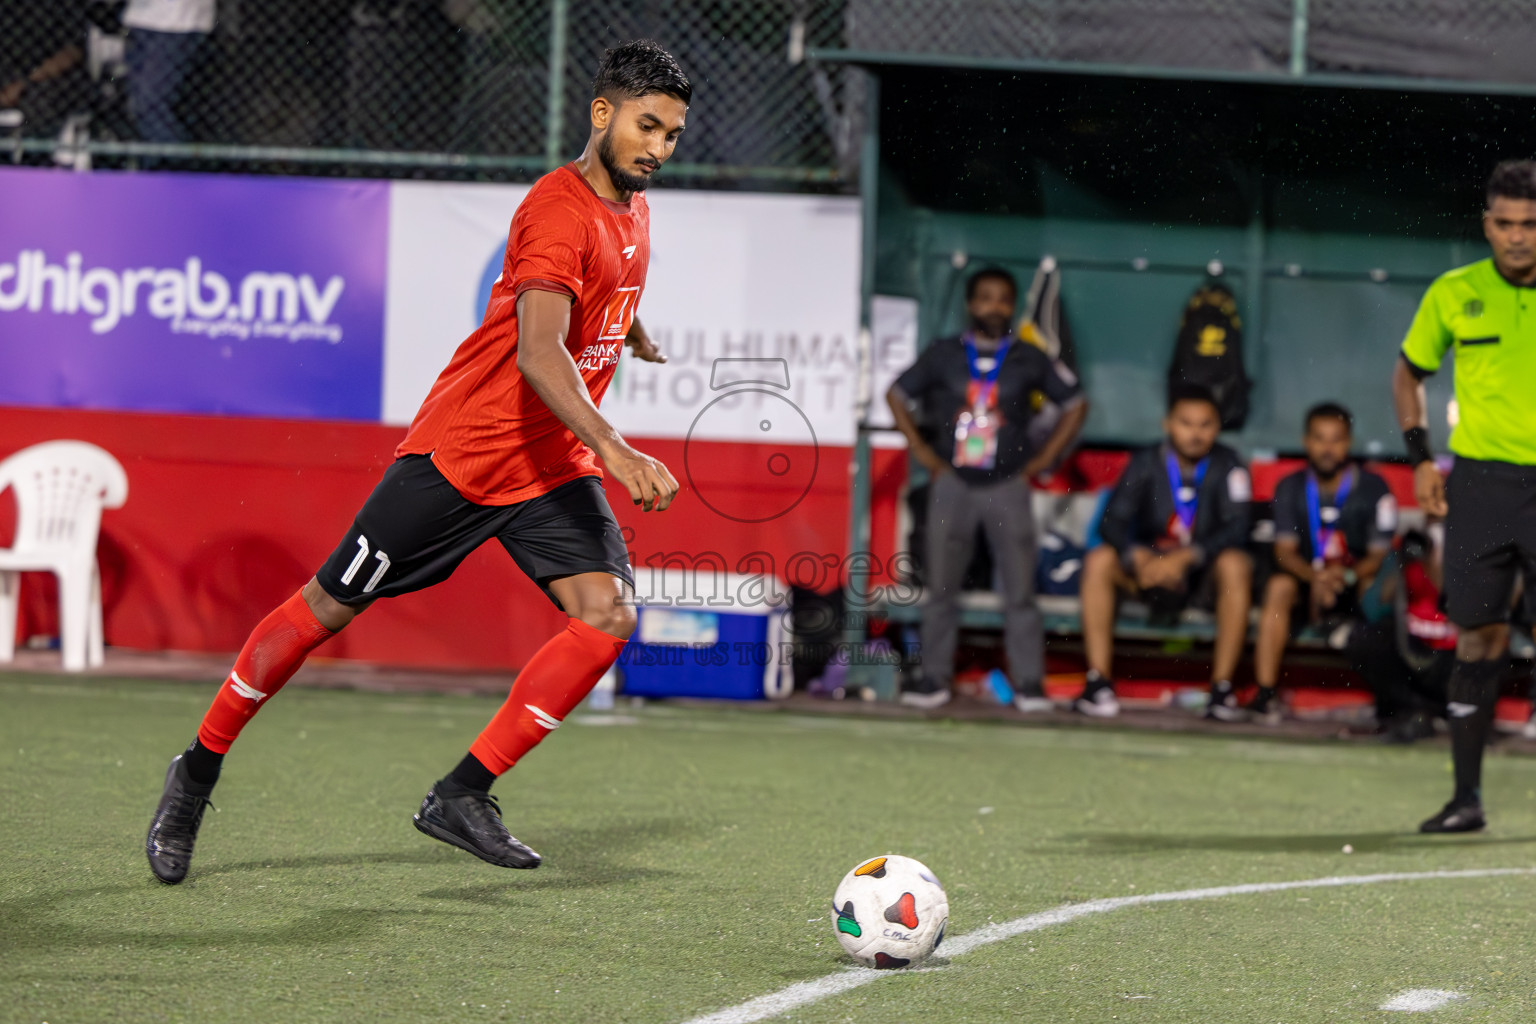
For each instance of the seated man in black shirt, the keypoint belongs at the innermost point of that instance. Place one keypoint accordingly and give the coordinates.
(973, 393)
(1174, 530)
(1334, 523)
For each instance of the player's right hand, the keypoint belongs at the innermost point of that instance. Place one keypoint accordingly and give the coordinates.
(1327, 585)
(1429, 488)
(649, 483)
(1160, 571)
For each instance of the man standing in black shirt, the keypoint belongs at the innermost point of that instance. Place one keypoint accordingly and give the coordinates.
(1334, 523)
(1174, 530)
(973, 393)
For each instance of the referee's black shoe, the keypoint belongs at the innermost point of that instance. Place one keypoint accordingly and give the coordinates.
(173, 829)
(1457, 817)
(471, 820)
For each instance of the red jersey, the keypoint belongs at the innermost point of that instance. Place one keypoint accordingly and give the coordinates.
(487, 431)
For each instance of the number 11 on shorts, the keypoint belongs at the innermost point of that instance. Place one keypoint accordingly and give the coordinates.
(357, 563)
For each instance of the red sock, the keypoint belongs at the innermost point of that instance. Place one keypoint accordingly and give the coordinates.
(271, 655)
(553, 682)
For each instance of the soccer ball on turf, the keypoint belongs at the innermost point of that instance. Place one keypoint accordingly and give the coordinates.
(890, 912)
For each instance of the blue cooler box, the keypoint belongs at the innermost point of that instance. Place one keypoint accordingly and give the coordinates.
(718, 647)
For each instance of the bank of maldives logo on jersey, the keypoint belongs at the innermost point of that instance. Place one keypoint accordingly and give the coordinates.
(618, 317)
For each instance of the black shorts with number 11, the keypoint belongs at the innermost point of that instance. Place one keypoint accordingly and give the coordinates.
(415, 529)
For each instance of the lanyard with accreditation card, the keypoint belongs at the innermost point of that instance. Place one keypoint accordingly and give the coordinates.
(1186, 498)
(976, 427)
(1327, 539)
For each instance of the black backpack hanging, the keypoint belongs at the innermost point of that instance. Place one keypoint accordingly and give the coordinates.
(1044, 325)
(1209, 352)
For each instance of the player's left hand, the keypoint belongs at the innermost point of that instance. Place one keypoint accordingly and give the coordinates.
(650, 484)
(1429, 488)
(641, 345)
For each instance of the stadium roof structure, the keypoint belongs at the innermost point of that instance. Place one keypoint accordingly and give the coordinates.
(1476, 46)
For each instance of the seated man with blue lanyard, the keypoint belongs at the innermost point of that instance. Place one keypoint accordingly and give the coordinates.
(1334, 524)
(973, 392)
(1175, 532)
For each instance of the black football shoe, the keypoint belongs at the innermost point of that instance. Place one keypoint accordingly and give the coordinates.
(173, 830)
(1098, 698)
(1264, 707)
(471, 821)
(1222, 706)
(1457, 817)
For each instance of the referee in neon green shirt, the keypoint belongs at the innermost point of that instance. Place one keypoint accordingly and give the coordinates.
(1488, 312)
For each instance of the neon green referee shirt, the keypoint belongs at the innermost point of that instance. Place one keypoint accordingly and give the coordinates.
(1492, 323)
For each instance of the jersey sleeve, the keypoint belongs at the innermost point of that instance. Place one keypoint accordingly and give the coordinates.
(1062, 385)
(1290, 510)
(1118, 525)
(916, 379)
(546, 248)
(1429, 335)
(1232, 510)
(1053, 378)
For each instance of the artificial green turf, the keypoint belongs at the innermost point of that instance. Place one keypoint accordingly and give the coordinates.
(690, 859)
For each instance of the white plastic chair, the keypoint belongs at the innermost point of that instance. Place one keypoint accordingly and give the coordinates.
(60, 488)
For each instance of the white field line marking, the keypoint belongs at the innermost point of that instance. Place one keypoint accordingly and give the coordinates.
(1421, 1000)
(806, 992)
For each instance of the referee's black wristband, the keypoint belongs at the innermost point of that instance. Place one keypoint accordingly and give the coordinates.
(1417, 440)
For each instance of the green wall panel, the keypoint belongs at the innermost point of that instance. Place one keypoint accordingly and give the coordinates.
(1329, 216)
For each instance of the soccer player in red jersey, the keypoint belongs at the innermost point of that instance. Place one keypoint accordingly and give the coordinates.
(506, 445)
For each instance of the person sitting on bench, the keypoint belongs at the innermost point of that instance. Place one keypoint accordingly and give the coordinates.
(1334, 523)
(1175, 530)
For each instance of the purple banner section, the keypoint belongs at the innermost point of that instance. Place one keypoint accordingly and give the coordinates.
(192, 293)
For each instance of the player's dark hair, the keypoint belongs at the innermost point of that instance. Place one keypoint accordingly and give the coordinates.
(1331, 411)
(1192, 393)
(990, 274)
(640, 68)
(1513, 179)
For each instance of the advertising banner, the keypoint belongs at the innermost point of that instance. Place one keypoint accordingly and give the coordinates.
(893, 348)
(754, 299)
(192, 293)
(312, 299)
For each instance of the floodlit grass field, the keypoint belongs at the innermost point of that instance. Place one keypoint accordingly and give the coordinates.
(690, 857)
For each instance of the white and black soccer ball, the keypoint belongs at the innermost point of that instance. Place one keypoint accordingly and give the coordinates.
(890, 912)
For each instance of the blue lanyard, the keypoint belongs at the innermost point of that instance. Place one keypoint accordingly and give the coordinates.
(1186, 499)
(1320, 534)
(987, 379)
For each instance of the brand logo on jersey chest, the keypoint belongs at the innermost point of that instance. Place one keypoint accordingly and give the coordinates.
(620, 312)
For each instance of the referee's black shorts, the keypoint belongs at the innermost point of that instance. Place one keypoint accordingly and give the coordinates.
(415, 529)
(1490, 539)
